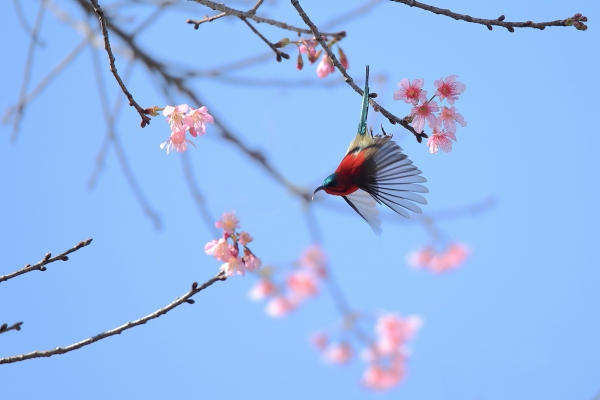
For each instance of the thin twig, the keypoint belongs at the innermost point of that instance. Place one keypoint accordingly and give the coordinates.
(113, 68)
(41, 265)
(575, 20)
(278, 54)
(391, 117)
(253, 10)
(249, 14)
(109, 117)
(16, 326)
(186, 298)
(27, 71)
(206, 18)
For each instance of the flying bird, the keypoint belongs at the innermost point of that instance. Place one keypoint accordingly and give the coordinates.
(374, 169)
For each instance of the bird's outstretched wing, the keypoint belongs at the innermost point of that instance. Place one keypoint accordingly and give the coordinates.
(391, 178)
(365, 206)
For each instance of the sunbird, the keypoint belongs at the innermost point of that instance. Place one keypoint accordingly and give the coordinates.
(374, 169)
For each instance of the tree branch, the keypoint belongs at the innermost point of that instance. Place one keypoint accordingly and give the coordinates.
(41, 266)
(186, 298)
(391, 117)
(278, 54)
(250, 14)
(5, 328)
(577, 20)
(113, 68)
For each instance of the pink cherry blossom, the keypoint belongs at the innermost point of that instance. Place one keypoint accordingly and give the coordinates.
(220, 249)
(449, 88)
(422, 112)
(319, 340)
(280, 306)
(411, 92)
(228, 222)
(197, 119)
(176, 116)
(302, 285)
(309, 48)
(251, 262)
(394, 331)
(313, 259)
(379, 377)
(244, 238)
(449, 116)
(235, 265)
(440, 139)
(263, 289)
(177, 142)
(452, 257)
(338, 353)
(325, 67)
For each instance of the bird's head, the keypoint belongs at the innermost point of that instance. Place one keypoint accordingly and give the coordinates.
(329, 183)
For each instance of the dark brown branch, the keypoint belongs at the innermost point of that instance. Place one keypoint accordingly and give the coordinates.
(5, 328)
(113, 68)
(186, 298)
(27, 72)
(250, 14)
(391, 117)
(278, 54)
(577, 20)
(41, 266)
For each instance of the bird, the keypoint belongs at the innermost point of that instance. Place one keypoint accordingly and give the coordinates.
(375, 170)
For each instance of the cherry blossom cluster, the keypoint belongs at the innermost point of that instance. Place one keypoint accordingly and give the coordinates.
(454, 255)
(298, 285)
(443, 124)
(227, 248)
(184, 119)
(309, 47)
(385, 353)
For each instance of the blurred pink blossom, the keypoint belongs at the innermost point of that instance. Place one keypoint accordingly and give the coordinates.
(235, 265)
(218, 249)
(394, 331)
(279, 306)
(411, 92)
(449, 88)
(452, 257)
(379, 377)
(319, 340)
(338, 353)
(325, 67)
(313, 259)
(251, 262)
(262, 289)
(302, 285)
(244, 238)
(228, 222)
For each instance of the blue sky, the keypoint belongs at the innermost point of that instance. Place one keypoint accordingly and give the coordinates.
(519, 320)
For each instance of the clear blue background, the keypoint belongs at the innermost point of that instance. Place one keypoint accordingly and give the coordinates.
(520, 320)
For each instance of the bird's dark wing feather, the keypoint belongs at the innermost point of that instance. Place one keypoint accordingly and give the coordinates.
(365, 206)
(391, 178)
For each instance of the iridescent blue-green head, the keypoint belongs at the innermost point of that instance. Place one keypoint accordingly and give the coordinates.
(329, 183)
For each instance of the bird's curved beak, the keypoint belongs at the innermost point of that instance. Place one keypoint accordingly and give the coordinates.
(316, 190)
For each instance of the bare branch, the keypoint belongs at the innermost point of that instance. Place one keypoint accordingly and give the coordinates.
(577, 20)
(113, 68)
(197, 23)
(41, 266)
(27, 71)
(278, 54)
(186, 298)
(391, 117)
(5, 328)
(250, 14)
